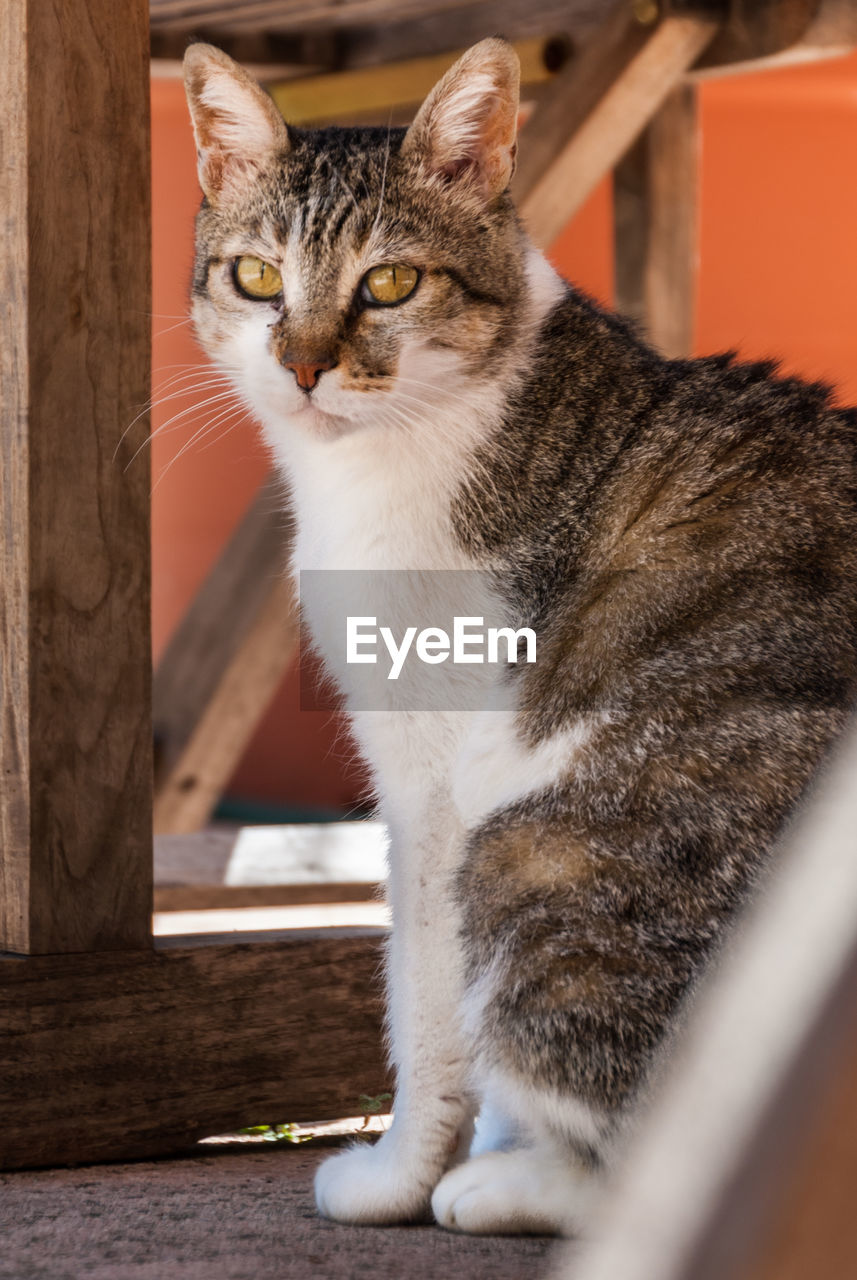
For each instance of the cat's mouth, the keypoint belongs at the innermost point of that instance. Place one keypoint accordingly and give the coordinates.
(321, 422)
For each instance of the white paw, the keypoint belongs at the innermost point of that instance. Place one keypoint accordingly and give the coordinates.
(513, 1193)
(369, 1184)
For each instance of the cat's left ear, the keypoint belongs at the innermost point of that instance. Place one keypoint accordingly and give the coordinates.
(466, 128)
(239, 131)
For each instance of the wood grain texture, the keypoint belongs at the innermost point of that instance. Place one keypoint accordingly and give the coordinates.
(75, 746)
(655, 220)
(14, 489)
(336, 13)
(340, 39)
(134, 1054)
(637, 88)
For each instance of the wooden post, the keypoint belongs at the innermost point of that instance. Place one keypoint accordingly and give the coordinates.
(655, 212)
(75, 731)
(596, 108)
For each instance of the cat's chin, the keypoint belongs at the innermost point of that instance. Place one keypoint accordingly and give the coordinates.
(321, 424)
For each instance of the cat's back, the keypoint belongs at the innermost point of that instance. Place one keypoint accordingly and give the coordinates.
(604, 438)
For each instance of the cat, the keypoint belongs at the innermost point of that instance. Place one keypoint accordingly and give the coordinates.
(680, 534)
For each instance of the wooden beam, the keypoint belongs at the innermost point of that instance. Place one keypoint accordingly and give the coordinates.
(252, 14)
(655, 225)
(338, 96)
(234, 897)
(189, 793)
(318, 14)
(137, 1054)
(75, 728)
(778, 32)
(575, 94)
(341, 36)
(595, 110)
(811, 1228)
(223, 665)
(341, 40)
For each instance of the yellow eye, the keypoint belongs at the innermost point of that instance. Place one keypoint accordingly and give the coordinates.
(257, 279)
(390, 283)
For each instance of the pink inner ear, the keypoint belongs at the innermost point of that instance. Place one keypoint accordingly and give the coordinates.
(455, 168)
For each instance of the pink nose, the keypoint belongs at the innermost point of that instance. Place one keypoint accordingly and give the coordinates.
(307, 371)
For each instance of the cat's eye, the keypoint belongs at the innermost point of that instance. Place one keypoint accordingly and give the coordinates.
(257, 279)
(389, 284)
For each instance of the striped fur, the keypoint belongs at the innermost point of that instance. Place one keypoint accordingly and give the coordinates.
(682, 535)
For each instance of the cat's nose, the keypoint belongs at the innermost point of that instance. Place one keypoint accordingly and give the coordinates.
(307, 369)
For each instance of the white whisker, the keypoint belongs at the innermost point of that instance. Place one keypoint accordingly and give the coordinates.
(198, 436)
(154, 405)
(171, 423)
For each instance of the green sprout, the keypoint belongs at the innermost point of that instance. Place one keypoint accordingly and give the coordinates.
(277, 1133)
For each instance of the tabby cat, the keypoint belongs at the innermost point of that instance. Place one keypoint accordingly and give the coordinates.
(680, 535)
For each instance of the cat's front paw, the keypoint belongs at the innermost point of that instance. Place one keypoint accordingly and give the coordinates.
(373, 1185)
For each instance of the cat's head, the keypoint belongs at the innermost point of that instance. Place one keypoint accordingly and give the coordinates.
(346, 276)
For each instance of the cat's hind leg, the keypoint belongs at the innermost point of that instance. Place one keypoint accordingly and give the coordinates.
(533, 1168)
(563, 1006)
(537, 1190)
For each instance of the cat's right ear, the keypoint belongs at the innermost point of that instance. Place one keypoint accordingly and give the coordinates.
(466, 129)
(239, 131)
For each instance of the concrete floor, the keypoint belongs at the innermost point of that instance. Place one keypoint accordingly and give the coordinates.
(229, 1214)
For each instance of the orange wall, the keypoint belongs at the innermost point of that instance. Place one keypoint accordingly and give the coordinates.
(778, 249)
(777, 277)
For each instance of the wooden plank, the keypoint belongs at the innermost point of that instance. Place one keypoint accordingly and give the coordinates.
(75, 728)
(773, 1027)
(596, 110)
(811, 1232)
(313, 13)
(136, 1054)
(575, 94)
(780, 32)
(308, 11)
(340, 41)
(317, 13)
(293, 853)
(631, 200)
(378, 89)
(344, 36)
(189, 793)
(299, 864)
(231, 897)
(655, 226)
